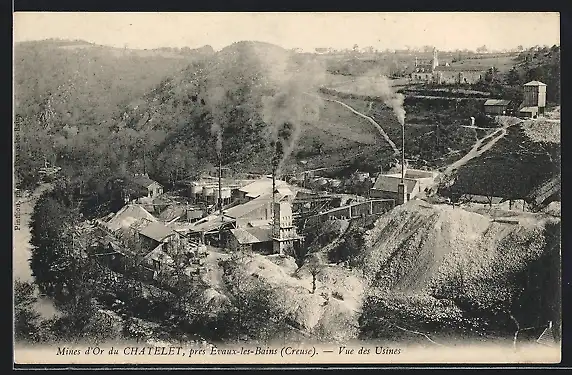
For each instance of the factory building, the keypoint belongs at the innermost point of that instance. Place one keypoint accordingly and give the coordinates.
(387, 186)
(445, 74)
(534, 99)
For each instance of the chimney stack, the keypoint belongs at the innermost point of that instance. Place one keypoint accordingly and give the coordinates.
(272, 210)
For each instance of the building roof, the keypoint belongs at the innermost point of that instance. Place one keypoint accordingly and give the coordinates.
(259, 187)
(529, 109)
(171, 212)
(261, 201)
(497, 102)
(128, 215)
(535, 83)
(252, 235)
(239, 211)
(157, 231)
(209, 223)
(194, 214)
(390, 183)
(143, 181)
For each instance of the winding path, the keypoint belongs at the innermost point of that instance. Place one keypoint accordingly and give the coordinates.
(371, 120)
(480, 147)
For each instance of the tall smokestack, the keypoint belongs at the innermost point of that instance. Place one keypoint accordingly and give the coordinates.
(403, 152)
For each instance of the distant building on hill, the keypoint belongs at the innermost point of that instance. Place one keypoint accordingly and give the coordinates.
(433, 72)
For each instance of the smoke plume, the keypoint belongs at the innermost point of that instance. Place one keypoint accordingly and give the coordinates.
(391, 98)
(215, 97)
(287, 107)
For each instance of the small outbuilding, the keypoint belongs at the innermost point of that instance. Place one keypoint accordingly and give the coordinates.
(496, 106)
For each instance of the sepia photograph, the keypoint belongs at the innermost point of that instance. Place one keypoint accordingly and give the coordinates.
(286, 188)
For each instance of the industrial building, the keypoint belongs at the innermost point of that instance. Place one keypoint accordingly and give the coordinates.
(387, 185)
(496, 107)
(534, 99)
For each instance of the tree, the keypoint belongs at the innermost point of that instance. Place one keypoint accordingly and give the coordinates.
(315, 266)
(26, 319)
(513, 78)
(491, 76)
(52, 240)
(482, 49)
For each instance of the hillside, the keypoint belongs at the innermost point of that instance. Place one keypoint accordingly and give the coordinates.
(517, 165)
(447, 271)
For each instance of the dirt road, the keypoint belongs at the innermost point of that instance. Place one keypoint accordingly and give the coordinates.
(480, 147)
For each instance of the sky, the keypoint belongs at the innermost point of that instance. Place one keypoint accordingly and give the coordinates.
(446, 31)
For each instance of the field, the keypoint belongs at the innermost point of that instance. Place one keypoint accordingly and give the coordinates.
(370, 85)
(502, 63)
(336, 138)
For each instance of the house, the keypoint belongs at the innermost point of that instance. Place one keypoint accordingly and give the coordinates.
(387, 187)
(144, 186)
(496, 106)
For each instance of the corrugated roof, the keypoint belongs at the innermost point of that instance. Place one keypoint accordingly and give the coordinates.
(535, 83)
(252, 235)
(128, 215)
(390, 183)
(157, 231)
(497, 102)
(239, 211)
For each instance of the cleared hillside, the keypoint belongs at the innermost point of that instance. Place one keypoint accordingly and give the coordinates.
(525, 159)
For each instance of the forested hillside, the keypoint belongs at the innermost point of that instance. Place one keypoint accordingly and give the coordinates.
(117, 112)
